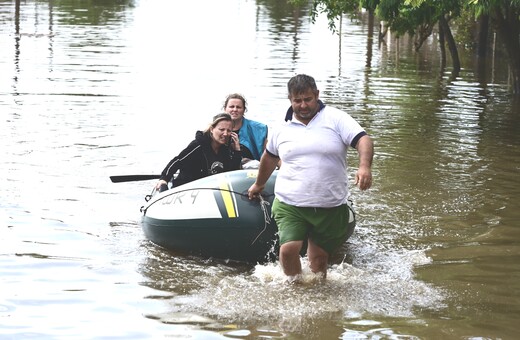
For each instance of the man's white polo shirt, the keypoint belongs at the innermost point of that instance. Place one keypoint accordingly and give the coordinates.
(314, 158)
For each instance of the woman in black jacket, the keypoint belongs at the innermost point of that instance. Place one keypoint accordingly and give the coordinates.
(215, 150)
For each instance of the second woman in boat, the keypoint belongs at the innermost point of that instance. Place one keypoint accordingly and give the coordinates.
(215, 150)
(253, 134)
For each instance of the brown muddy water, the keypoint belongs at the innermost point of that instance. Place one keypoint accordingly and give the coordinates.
(94, 89)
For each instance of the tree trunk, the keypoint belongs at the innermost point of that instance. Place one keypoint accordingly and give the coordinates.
(422, 33)
(452, 46)
(482, 48)
(370, 37)
(508, 27)
(442, 45)
(483, 32)
(382, 31)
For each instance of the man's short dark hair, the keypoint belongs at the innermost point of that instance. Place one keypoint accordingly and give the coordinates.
(301, 83)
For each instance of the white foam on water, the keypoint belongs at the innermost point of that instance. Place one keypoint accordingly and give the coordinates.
(382, 284)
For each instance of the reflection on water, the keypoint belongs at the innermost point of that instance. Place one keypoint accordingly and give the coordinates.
(96, 89)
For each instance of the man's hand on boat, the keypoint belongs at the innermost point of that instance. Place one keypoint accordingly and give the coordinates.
(255, 190)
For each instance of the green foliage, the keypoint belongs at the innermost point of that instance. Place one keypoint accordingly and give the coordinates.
(369, 4)
(480, 7)
(333, 9)
(419, 17)
(412, 16)
(406, 16)
(465, 28)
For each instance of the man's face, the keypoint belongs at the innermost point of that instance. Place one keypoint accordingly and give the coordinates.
(305, 105)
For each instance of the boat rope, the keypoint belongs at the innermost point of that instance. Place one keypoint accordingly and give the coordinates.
(267, 219)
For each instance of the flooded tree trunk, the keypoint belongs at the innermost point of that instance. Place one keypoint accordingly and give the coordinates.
(482, 48)
(508, 27)
(452, 46)
(383, 29)
(370, 37)
(442, 45)
(483, 32)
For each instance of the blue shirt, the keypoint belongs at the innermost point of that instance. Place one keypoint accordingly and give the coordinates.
(252, 135)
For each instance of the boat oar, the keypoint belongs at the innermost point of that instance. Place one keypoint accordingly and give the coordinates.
(132, 178)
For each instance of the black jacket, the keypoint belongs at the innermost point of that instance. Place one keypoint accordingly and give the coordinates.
(198, 160)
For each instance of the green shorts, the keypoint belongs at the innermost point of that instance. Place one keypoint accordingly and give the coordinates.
(328, 228)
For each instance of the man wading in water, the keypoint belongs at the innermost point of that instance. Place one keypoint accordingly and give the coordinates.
(312, 183)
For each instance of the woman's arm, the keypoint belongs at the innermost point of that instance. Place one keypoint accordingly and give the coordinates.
(174, 165)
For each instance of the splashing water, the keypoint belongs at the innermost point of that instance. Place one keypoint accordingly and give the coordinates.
(385, 287)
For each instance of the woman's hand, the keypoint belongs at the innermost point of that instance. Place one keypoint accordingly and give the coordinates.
(234, 141)
(161, 185)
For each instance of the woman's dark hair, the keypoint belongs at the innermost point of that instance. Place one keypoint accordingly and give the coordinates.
(235, 96)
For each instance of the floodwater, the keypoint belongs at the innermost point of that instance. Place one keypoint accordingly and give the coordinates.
(94, 89)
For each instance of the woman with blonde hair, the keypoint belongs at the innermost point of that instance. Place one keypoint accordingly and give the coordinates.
(215, 150)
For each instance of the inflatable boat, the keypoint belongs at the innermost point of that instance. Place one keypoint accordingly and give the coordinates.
(213, 217)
